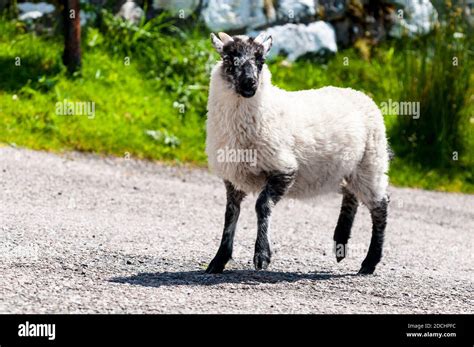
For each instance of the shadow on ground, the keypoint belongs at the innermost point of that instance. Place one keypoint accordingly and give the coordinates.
(35, 71)
(199, 278)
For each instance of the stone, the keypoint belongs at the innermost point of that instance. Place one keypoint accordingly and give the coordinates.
(295, 40)
(413, 17)
(295, 10)
(31, 11)
(178, 8)
(131, 12)
(222, 15)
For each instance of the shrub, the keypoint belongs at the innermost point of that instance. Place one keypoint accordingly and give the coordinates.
(436, 73)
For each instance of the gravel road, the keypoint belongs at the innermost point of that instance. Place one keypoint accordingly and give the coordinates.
(83, 234)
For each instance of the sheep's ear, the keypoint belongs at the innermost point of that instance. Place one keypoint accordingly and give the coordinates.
(219, 43)
(225, 38)
(265, 40)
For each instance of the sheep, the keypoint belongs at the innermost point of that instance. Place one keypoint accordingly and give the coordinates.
(307, 143)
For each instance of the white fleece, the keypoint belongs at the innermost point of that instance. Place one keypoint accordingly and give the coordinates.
(329, 137)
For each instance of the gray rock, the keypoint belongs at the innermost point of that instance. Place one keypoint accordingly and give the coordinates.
(413, 17)
(295, 40)
(222, 15)
(131, 12)
(30, 15)
(30, 11)
(179, 8)
(34, 12)
(295, 10)
(332, 9)
(38, 17)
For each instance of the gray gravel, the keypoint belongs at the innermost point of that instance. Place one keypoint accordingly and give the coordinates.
(83, 234)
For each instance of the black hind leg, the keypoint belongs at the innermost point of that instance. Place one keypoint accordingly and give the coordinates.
(379, 222)
(344, 224)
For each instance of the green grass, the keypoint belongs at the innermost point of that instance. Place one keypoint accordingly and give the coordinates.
(127, 106)
(154, 108)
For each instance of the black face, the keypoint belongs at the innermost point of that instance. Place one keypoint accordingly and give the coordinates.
(243, 61)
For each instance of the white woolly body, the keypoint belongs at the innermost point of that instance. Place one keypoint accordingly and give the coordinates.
(328, 137)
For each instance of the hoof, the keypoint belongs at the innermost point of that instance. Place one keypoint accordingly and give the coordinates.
(261, 261)
(215, 267)
(366, 270)
(340, 250)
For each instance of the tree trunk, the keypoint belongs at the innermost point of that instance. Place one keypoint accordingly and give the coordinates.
(72, 35)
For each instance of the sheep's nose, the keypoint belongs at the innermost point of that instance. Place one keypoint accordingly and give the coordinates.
(249, 83)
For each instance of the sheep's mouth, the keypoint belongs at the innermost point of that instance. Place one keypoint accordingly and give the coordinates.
(248, 93)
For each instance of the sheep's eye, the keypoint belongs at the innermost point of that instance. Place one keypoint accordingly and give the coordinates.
(259, 60)
(228, 60)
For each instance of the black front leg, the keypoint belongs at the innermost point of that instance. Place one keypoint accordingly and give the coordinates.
(277, 185)
(232, 211)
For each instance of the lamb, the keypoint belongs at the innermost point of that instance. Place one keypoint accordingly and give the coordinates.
(307, 143)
